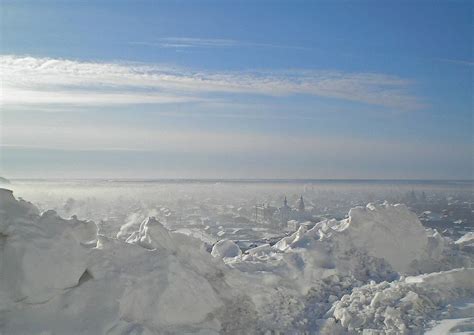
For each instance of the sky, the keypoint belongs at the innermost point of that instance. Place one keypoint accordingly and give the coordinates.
(236, 89)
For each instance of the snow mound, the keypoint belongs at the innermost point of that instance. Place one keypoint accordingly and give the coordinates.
(12, 209)
(41, 254)
(152, 235)
(84, 283)
(226, 249)
(374, 242)
(289, 241)
(60, 276)
(133, 222)
(391, 232)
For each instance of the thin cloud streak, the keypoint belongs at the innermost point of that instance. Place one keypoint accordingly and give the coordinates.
(44, 80)
(191, 42)
(456, 61)
(28, 98)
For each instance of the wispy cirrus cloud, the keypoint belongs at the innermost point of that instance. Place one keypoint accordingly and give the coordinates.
(188, 42)
(192, 42)
(456, 61)
(40, 81)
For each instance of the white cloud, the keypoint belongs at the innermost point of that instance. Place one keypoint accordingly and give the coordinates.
(29, 80)
(29, 97)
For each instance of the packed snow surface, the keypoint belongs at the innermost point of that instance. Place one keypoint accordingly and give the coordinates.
(376, 272)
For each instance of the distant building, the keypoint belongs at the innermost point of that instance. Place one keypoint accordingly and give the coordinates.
(286, 213)
(300, 205)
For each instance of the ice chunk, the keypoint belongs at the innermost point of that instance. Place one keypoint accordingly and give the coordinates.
(391, 232)
(226, 249)
(466, 239)
(175, 297)
(152, 235)
(41, 255)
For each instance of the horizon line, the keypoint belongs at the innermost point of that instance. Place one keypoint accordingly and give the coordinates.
(289, 180)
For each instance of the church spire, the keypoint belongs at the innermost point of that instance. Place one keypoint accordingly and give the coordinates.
(301, 204)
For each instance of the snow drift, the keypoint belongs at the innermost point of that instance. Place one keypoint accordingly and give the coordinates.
(391, 232)
(41, 254)
(157, 281)
(59, 276)
(374, 243)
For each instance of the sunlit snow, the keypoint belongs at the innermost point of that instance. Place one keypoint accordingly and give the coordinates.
(235, 257)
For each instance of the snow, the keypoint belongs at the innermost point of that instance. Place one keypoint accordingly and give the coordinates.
(391, 232)
(4, 181)
(152, 235)
(155, 281)
(42, 254)
(357, 275)
(402, 306)
(466, 239)
(374, 242)
(226, 249)
(457, 318)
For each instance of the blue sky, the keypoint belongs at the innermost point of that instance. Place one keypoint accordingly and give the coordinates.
(229, 89)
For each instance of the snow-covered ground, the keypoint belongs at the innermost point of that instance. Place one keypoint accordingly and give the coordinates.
(457, 318)
(376, 270)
